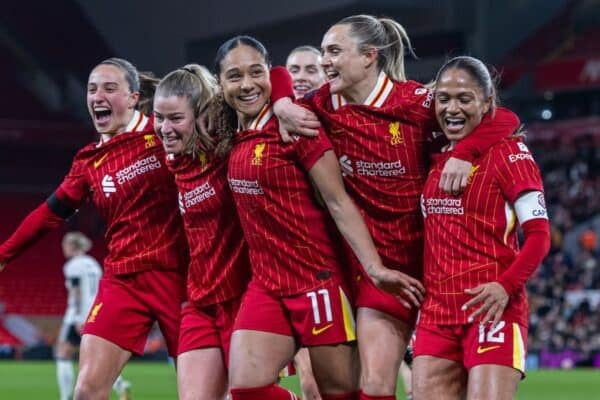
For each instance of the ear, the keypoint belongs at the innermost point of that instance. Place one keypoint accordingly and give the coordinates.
(133, 99)
(487, 105)
(370, 56)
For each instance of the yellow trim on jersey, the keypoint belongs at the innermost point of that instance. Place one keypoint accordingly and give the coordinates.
(511, 219)
(518, 349)
(348, 315)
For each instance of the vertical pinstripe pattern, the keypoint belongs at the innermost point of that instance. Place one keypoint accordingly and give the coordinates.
(383, 141)
(219, 267)
(466, 240)
(287, 231)
(128, 182)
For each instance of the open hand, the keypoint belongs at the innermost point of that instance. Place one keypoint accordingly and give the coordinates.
(296, 119)
(492, 300)
(409, 291)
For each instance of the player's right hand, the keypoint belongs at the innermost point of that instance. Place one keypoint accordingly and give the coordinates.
(2, 265)
(409, 291)
(295, 119)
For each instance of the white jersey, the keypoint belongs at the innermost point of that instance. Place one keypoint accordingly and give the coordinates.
(81, 272)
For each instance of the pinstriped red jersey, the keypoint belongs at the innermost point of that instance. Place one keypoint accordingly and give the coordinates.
(471, 239)
(219, 267)
(127, 180)
(383, 143)
(286, 229)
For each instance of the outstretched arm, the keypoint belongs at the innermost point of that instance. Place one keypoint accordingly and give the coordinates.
(50, 214)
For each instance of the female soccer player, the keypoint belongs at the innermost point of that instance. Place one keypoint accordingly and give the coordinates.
(304, 65)
(297, 295)
(472, 333)
(82, 275)
(380, 126)
(125, 176)
(219, 268)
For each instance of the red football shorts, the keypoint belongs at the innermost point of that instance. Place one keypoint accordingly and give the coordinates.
(208, 326)
(370, 296)
(319, 317)
(474, 344)
(127, 306)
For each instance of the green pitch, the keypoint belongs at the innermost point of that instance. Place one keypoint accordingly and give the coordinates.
(36, 380)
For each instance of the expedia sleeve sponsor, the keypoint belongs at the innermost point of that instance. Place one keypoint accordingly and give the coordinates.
(198, 194)
(448, 206)
(245, 186)
(140, 167)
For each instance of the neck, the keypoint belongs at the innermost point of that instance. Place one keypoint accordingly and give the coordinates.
(244, 120)
(358, 93)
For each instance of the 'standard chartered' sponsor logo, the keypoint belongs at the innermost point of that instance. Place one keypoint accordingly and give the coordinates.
(245, 186)
(198, 194)
(445, 205)
(138, 168)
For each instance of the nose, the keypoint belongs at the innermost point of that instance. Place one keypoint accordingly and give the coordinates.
(246, 83)
(325, 60)
(166, 126)
(453, 106)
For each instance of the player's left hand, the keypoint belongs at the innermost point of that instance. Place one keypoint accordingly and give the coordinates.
(296, 119)
(492, 300)
(455, 176)
(2, 265)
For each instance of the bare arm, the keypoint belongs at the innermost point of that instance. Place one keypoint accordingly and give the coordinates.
(328, 180)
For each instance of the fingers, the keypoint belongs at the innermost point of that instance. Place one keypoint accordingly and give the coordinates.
(285, 136)
(411, 296)
(305, 130)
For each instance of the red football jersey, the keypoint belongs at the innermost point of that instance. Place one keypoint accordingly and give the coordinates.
(287, 230)
(127, 180)
(471, 239)
(384, 142)
(219, 268)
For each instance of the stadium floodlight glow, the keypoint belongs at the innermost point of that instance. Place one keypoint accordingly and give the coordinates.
(546, 114)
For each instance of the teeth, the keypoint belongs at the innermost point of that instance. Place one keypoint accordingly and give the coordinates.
(301, 87)
(100, 109)
(331, 74)
(249, 97)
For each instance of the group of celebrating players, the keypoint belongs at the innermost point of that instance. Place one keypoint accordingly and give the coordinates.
(329, 222)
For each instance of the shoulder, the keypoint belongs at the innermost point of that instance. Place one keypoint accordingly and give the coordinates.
(414, 90)
(512, 150)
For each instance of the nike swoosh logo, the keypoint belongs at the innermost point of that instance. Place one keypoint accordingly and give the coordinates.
(481, 350)
(317, 331)
(99, 161)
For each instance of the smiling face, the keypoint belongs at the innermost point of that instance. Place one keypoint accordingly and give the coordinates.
(460, 103)
(306, 71)
(110, 100)
(174, 122)
(349, 71)
(244, 80)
